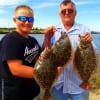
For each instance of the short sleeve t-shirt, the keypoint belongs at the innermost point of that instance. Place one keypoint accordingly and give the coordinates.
(14, 46)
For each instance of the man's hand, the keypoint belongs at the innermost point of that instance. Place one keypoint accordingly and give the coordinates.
(48, 33)
(49, 30)
(88, 37)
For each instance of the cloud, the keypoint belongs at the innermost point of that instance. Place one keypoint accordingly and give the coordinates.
(10, 2)
(46, 4)
(6, 22)
(2, 11)
(90, 12)
(86, 2)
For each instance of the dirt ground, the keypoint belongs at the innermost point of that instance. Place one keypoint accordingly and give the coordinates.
(95, 96)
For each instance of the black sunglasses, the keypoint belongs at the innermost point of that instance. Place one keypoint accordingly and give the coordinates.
(69, 11)
(24, 19)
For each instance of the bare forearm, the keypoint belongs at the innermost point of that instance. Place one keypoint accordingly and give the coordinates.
(23, 71)
(18, 69)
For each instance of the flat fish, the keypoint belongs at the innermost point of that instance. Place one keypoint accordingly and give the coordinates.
(85, 62)
(46, 72)
(62, 50)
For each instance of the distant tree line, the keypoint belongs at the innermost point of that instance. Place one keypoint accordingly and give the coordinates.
(94, 32)
(33, 31)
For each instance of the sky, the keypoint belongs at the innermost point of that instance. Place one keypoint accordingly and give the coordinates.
(46, 12)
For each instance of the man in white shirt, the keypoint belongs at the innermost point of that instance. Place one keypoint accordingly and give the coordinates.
(68, 82)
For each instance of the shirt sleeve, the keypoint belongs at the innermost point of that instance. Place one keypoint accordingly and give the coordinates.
(11, 49)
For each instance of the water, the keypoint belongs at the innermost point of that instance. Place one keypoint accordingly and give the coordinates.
(39, 37)
(96, 38)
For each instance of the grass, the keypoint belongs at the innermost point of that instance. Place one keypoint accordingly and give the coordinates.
(95, 81)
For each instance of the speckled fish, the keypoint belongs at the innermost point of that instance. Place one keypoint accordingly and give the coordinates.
(45, 73)
(62, 50)
(85, 61)
(46, 66)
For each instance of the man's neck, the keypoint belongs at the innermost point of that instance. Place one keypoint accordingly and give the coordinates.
(68, 26)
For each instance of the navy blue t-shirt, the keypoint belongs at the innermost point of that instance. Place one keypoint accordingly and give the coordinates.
(14, 46)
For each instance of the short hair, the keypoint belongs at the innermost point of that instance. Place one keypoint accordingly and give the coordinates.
(65, 2)
(25, 7)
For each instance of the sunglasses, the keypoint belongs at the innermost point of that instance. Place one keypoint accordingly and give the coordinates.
(69, 11)
(24, 19)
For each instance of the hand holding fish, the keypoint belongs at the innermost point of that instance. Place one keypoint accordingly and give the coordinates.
(88, 37)
(48, 33)
(49, 30)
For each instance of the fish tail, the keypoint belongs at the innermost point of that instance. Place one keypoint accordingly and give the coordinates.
(46, 95)
(85, 86)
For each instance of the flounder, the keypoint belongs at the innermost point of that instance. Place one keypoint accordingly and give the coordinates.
(62, 50)
(85, 61)
(46, 66)
(45, 73)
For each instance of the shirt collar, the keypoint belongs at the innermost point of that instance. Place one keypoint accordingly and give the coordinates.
(74, 27)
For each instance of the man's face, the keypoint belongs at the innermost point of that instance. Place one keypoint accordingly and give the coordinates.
(67, 13)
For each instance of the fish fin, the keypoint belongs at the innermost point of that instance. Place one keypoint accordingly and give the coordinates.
(76, 72)
(85, 86)
(75, 67)
(45, 94)
(70, 58)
